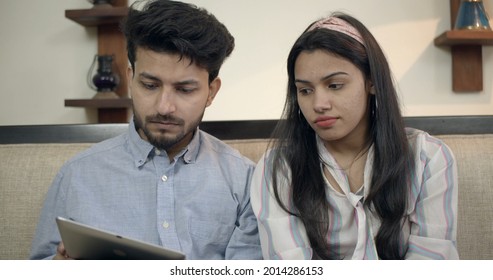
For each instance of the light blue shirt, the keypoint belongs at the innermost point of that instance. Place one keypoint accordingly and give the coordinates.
(198, 203)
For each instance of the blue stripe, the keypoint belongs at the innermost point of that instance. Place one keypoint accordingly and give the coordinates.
(449, 178)
(423, 252)
(335, 224)
(449, 213)
(420, 216)
(264, 189)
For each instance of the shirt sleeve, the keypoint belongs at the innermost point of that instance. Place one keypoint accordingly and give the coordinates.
(244, 243)
(433, 219)
(282, 235)
(47, 238)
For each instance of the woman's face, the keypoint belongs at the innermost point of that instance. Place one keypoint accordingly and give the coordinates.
(333, 96)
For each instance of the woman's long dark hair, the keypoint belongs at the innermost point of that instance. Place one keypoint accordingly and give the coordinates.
(295, 145)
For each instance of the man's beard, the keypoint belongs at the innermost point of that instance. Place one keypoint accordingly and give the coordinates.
(160, 141)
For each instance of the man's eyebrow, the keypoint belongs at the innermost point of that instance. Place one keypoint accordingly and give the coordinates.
(187, 82)
(149, 76)
(179, 83)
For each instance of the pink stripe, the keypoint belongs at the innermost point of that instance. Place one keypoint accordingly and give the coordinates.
(444, 199)
(431, 254)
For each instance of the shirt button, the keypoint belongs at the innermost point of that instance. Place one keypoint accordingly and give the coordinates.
(165, 225)
(158, 152)
(164, 178)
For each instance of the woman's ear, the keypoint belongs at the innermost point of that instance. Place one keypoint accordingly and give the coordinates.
(370, 88)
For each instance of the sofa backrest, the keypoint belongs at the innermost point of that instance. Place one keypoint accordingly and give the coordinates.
(474, 156)
(26, 173)
(27, 170)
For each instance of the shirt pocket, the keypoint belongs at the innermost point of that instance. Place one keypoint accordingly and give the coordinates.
(210, 231)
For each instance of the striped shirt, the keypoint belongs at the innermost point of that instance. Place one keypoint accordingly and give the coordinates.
(429, 228)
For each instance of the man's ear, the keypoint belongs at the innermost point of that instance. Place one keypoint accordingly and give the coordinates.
(130, 75)
(214, 87)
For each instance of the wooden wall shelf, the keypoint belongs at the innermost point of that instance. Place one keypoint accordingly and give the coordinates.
(97, 16)
(110, 42)
(465, 37)
(467, 56)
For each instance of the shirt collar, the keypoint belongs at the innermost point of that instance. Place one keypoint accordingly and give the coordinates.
(327, 157)
(191, 152)
(138, 147)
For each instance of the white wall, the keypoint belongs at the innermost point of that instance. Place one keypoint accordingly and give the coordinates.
(44, 57)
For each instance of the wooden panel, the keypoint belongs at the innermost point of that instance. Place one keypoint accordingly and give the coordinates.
(119, 3)
(99, 103)
(113, 115)
(112, 42)
(464, 37)
(97, 16)
(467, 57)
(467, 68)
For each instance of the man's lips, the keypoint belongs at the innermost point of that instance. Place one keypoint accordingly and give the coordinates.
(164, 124)
(165, 121)
(325, 121)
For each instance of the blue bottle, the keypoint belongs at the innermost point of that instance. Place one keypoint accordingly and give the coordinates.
(472, 16)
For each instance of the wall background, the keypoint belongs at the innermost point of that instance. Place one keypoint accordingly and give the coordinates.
(44, 57)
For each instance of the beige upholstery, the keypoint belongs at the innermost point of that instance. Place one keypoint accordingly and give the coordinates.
(474, 155)
(28, 169)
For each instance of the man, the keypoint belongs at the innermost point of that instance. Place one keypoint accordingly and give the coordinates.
(165, 181)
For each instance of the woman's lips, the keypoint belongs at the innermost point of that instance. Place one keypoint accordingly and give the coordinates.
(325, 122)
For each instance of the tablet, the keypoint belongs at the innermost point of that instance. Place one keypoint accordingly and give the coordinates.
(89, 243)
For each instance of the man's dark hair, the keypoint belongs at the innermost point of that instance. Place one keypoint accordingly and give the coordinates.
(178, 28)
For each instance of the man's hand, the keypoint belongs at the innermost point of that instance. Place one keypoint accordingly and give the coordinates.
(61, 254)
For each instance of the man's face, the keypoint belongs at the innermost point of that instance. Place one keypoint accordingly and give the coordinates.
(169, 97)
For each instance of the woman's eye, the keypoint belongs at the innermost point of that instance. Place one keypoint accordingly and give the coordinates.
(336, 86)
(305, 91)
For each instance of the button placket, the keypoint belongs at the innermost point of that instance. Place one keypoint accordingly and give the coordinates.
(165, 203)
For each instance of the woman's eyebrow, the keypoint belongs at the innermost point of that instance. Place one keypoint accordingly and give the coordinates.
(323, 78)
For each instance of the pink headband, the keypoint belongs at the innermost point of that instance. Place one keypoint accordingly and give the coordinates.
(339, 25)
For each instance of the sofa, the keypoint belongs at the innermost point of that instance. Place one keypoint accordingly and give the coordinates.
(32, 154)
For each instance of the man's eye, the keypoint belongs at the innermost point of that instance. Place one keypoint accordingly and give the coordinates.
(185, 89)
(149, 86)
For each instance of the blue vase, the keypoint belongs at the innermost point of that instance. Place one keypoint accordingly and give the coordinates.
(472, 16)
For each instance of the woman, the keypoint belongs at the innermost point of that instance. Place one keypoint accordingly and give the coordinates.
(344, 178)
